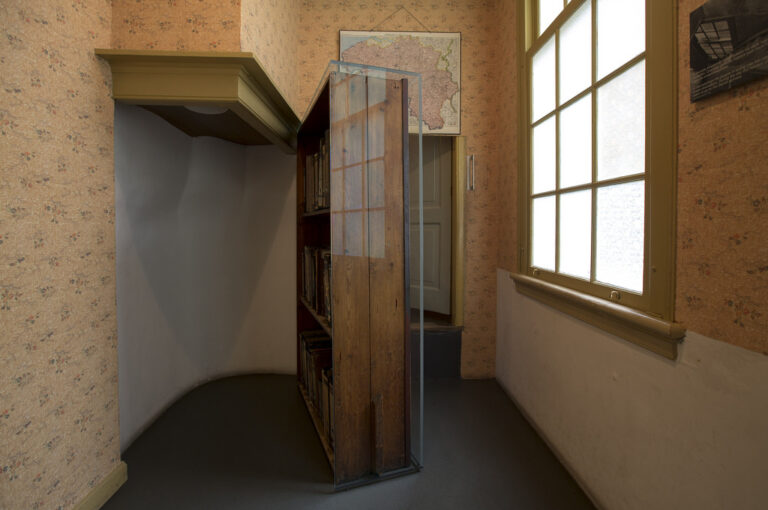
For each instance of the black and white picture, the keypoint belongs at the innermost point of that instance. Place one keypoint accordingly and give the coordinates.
(729, 45)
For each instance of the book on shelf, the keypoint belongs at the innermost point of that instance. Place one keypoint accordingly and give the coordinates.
(319, 359)
(327, 278)
(331, 432)
(307, 340)
(315, 366)
(326, 401)
(316, 284)
(317, 177)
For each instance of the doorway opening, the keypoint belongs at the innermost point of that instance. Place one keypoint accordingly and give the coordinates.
(443, 186)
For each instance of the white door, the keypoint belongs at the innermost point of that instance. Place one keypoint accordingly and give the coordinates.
(437, 223)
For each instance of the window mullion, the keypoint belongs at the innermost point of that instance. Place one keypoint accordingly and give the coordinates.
(543, 119)
(593, 251)
(557, 150)
(620, 70)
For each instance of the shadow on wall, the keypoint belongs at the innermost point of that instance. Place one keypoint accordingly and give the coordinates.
(205, 285)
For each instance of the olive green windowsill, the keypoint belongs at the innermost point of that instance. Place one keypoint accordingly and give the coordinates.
(657, 335)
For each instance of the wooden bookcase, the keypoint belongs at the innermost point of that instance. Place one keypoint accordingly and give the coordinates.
(365, 229)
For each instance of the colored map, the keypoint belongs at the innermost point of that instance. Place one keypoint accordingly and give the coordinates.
(435, 55)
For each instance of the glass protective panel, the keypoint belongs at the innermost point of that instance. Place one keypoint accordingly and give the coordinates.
(620, 33)
(544, 156)
(621, 125)
(620, 235)
(576, 143)
(576, 233)
(416, 245)
(548, 11)
(415, 183)
(576, 53)
(543, 238)
(543, 81)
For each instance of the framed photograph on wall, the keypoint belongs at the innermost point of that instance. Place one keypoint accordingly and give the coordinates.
(436, 55)
(729, 45)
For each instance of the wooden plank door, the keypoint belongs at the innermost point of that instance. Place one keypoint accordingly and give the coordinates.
(349, 285)
(368, 247)
(388, 304)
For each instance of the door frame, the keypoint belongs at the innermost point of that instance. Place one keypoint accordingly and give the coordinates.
(458, 189)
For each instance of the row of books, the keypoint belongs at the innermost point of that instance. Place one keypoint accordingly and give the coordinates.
(315, 365)
(317, 177)
(316, 278)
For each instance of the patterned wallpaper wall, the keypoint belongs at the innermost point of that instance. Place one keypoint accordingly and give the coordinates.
(269, 29)
(184, 25)
(58, 356)
(320, 22)
(722, 213)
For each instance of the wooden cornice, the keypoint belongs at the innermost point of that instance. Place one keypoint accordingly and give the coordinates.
(234, 80)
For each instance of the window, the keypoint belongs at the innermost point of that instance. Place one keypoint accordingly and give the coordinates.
(598, 158)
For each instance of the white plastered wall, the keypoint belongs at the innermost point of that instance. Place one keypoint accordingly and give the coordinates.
(636, 430)
(206, 270)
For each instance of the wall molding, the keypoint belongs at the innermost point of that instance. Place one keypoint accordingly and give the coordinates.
(653, 333)
(105, 489)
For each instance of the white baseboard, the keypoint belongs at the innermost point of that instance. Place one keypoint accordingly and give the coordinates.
(105, 490)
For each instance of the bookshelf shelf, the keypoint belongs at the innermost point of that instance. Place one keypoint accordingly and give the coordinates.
(320, 212)
(352, 265)
(320, 320)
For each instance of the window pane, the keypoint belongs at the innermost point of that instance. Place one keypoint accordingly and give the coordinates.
(576, 143)
(621, 125)
(548, 11)
(544, 155)
(620, 235)
(576, 53)
(543, 81)
(543, 238)
(576, 233)
(620, 33)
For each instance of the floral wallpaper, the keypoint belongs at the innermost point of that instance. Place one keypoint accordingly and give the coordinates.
(266, 28)
(269, 29)
(58, 356)
(722, 245)
(319, 25)
(183, 25)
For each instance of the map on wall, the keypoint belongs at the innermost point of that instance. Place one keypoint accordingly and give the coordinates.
(437, 56)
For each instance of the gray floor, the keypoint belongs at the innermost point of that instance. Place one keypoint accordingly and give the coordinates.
(247, 443)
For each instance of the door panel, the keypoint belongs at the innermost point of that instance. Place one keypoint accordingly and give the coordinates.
(436, 221)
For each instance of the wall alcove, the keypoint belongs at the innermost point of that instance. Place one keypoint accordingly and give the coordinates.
(205, 193)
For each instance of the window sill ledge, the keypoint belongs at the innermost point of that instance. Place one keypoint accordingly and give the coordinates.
(657, 335)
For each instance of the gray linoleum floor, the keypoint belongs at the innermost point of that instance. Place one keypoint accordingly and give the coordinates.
(247, 442)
